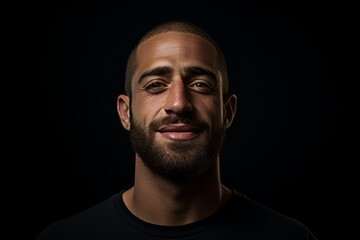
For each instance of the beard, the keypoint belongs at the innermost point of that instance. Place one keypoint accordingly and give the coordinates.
(178, 161)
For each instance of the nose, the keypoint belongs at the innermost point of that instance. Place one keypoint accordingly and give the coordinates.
(178, 100)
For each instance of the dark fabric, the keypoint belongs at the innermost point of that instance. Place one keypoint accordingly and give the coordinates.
(240, 218)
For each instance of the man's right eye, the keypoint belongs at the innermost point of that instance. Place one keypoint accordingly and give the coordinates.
(155, 87)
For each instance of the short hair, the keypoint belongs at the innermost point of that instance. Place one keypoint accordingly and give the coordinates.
(174, 26)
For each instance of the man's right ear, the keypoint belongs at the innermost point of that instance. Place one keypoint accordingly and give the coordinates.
(123, 108)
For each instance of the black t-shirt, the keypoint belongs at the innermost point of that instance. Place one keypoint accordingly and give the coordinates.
(239, 218)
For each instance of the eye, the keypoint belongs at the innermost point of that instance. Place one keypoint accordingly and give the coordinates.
(155, 87)
(201, 86)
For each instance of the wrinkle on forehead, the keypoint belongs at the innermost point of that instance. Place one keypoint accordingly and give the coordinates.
(174, 46)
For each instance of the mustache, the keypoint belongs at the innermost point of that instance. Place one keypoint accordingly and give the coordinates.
(156, 124)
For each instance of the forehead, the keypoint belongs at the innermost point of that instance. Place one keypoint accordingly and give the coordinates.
(176, 47)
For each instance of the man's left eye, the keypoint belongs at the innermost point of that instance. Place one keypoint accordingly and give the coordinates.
(201, 85)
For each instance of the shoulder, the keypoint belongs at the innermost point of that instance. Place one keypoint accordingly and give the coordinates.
(266, 220)
(95, 217)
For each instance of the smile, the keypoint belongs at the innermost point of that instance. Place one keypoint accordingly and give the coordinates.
(179, 132)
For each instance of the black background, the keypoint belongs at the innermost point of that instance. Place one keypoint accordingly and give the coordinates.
(71, 151)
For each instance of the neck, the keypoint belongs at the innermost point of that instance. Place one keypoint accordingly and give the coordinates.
(161, 201)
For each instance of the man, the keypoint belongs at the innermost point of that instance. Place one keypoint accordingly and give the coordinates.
(177, 108)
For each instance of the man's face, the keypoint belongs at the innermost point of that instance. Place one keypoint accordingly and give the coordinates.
(177, 106)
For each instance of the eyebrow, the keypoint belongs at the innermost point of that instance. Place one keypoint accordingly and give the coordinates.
(197, 71)
(158, 71)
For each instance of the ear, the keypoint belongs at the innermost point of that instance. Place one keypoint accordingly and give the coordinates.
(123, 108)
(230, 102)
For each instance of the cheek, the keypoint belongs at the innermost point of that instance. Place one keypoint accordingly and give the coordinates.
(210, 110)
(145, 110)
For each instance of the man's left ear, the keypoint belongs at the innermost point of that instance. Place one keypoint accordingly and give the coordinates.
(230, 102)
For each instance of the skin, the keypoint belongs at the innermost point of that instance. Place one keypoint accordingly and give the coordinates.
(178, 93)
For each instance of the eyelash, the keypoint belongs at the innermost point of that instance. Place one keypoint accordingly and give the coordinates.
(152, 85)
(206, 85)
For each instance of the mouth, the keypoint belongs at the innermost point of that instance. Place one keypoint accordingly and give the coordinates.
(179, 131)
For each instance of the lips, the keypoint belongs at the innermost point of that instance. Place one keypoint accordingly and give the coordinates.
(179, 131)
